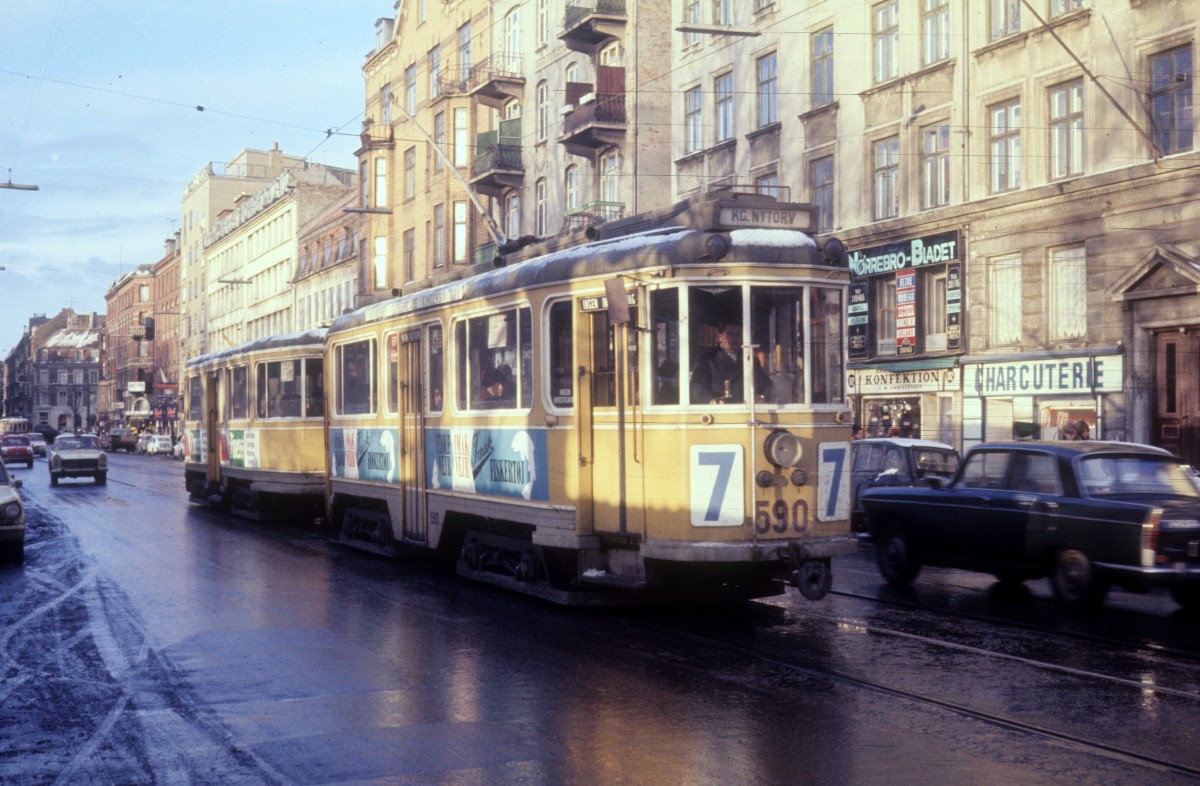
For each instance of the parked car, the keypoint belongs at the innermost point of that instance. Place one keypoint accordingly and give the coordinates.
(78, 456)
(121, 439)
(159, 445)
(37, 442)
(896, 461)
(15, 449)
(1086, 514)
(143, 440)
(12, 518)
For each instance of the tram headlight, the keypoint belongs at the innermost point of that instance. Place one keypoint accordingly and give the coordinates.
(716, 246)
(783, 449)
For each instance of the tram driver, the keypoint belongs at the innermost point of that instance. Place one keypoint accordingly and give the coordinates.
(717, 379)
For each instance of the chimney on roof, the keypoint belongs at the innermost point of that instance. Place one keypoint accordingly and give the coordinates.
(169, 245)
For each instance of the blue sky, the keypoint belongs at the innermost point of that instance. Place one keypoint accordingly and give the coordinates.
(98, 109)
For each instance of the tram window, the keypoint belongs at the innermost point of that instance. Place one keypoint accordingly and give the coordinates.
(314, 388)
(498, 354)
(604, 362)
(393, 373)
(356, 395)
(664, 320)
(826, 341)
(436, 369)
(777, 328)
(278, 387)
(236, 393)
(717, 374)
(195, 398)
(560, 338)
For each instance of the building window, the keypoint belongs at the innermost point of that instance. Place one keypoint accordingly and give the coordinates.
(379, 263)
(1067, 280)
(460, 138)
(820, 182)
(610, 177)
(543, 23)
(381, 199)
(435, 71)
(1004, 143)
(762, 5)
(934, 311)
(723, 12)
(1004, 288)
(768, 90)
(410, 89)
(439, 140)
(1066, 129)
(767, 185)
(439, 235)
(1171, 100)
(692, 137)
(1005, 17)
(410, 173)
(885, 28)
(512, 32)
(723, 88)
(410, 254)
(512, 215)
(572, 188)
(935, 31)
(822, 67)
(460, 233)
(886, 169)
(364, 185)
(1064, 7)
(691, 15)
(464, 52)
(885, 311)
(539, 223)
(543, 111)
(935, 166)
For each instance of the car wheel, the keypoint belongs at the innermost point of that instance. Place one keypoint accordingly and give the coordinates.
(53, 479)
(101, 478)
(1187, 595)
(1074, 580)
(895, 559)
(31, 463)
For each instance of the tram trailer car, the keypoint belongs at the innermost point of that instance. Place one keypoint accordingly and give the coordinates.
(254, 428)
(538, 422)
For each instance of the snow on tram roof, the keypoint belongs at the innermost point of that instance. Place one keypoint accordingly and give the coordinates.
(574, 262)
(303, 338)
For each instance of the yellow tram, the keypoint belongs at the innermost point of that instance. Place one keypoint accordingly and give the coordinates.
(254, 427)
(657, 410)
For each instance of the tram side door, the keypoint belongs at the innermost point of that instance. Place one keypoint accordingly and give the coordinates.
(412, 439)
(1176, 420)
(212, 425)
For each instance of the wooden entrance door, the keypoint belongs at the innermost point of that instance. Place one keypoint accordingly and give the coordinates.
(1176, 421)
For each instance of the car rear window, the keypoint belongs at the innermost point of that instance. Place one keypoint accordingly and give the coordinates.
(1109, 476)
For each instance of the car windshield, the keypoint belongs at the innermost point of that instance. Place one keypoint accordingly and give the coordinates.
(76, 443)
(1111, 476)
(16, 441)
(936, 462)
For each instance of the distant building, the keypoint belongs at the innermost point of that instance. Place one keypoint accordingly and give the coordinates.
(165, 342)
(128, 356)
(66, 370)
(328, 276)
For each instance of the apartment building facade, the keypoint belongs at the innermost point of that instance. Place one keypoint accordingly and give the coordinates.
(1013, 181)
(550, 117)
(128, 356)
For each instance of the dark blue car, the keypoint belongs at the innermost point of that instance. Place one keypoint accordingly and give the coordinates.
(1088, 515)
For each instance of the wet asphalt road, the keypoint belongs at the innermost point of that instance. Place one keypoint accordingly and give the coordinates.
(147, 641)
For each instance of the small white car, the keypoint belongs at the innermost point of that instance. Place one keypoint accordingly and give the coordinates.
(159, 445)
(78, 456)
(37, 442)
(12, 518)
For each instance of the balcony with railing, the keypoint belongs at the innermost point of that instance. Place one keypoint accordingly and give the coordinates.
(592, 120)
(498, 166)
(588, 25)
(592, 214)
(453, 82)
(497, 80)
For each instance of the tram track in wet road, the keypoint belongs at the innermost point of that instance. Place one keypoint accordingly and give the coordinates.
(1037, 659)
